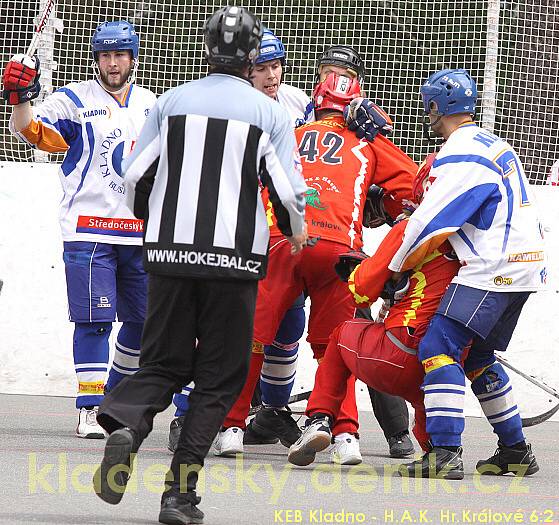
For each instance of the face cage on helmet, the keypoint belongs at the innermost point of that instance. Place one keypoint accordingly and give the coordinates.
(332, 102)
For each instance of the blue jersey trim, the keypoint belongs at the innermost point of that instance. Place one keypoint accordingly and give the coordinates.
(476, 159)
(467, 242)
(91, 141)
(457, 212)
(510, 205)
(72, 96)
(128, 96)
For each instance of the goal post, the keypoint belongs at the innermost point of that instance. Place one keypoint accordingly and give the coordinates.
(510, 47)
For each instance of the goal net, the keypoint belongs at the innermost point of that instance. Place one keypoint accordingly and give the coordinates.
(510, 47)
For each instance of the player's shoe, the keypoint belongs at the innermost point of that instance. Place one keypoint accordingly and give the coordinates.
(345, 450)
(229, 441)
(87, 424)
(109, 482)
(400, 445)
(437, 463)
(519, 461)
(174, 433)
(252, 437)
(316, 436)
(180, 509)
(278, 422)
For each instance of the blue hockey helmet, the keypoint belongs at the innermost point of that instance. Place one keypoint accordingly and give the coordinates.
(452, 90)
(271, 48)
(115, 36)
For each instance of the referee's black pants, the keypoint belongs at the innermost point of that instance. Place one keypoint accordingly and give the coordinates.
(196, 330)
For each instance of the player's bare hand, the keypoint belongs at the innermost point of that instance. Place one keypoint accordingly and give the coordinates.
(298, 241)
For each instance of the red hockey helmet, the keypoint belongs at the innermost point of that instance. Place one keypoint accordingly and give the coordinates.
(423, 179)
(336, 92)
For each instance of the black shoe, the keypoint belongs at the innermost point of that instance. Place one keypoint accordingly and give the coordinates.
(174, 433)
(180, 509)
(519, 461)
(252, 437)
(277, 422)
(111, 477)
(400, 445)
(437, 463)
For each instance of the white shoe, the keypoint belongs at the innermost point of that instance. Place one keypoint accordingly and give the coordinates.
(229, 442)
(87, 425)
(316, 436)
(345, 450)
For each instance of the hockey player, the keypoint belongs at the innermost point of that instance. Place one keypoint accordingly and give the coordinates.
(338, 168)
(481, 202)
(382, 354)
(201, 194)
(96, 124)
(275, 364)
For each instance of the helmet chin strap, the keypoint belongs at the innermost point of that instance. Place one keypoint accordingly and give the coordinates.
(427, 125)
(129, 80)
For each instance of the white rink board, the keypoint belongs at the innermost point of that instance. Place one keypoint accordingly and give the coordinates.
(36, 337)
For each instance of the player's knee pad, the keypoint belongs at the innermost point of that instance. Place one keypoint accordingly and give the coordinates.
(91, 335)
(291, 328)
(444, 336)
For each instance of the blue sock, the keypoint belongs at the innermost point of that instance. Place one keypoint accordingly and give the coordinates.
(127, 354)
(181, 400)
(91, 357)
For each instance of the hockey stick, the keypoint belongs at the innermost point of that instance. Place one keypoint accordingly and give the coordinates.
(292, 399)
(43, 19)
(535, 420)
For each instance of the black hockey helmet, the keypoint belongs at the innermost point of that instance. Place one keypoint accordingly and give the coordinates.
(344, 56)
(232, 37)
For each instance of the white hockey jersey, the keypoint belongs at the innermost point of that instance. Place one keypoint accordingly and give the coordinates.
(481, 201)
(97, 131)
(297, 103)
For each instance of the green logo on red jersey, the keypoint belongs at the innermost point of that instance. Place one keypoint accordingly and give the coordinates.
(312, 196)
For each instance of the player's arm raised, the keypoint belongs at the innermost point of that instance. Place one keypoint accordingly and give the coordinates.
(20, 85)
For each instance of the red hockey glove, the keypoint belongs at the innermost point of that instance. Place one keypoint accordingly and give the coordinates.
(348, 261)
(20, 80)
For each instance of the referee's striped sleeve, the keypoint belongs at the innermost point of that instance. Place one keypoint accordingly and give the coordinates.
(280, 172)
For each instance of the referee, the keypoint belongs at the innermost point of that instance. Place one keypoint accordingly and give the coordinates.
(194, 177)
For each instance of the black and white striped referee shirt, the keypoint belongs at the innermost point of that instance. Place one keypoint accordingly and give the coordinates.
(196, 173)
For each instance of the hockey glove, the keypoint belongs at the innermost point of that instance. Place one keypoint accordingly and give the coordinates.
(20, 80)
(348, 261)
(395, 291)
(367, 119)
(374, 214)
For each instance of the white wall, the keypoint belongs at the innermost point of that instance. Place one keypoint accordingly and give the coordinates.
(36, 338)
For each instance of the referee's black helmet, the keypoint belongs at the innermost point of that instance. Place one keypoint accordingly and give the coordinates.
(232, 38)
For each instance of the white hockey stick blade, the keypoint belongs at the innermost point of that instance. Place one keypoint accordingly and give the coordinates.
(43, 19)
